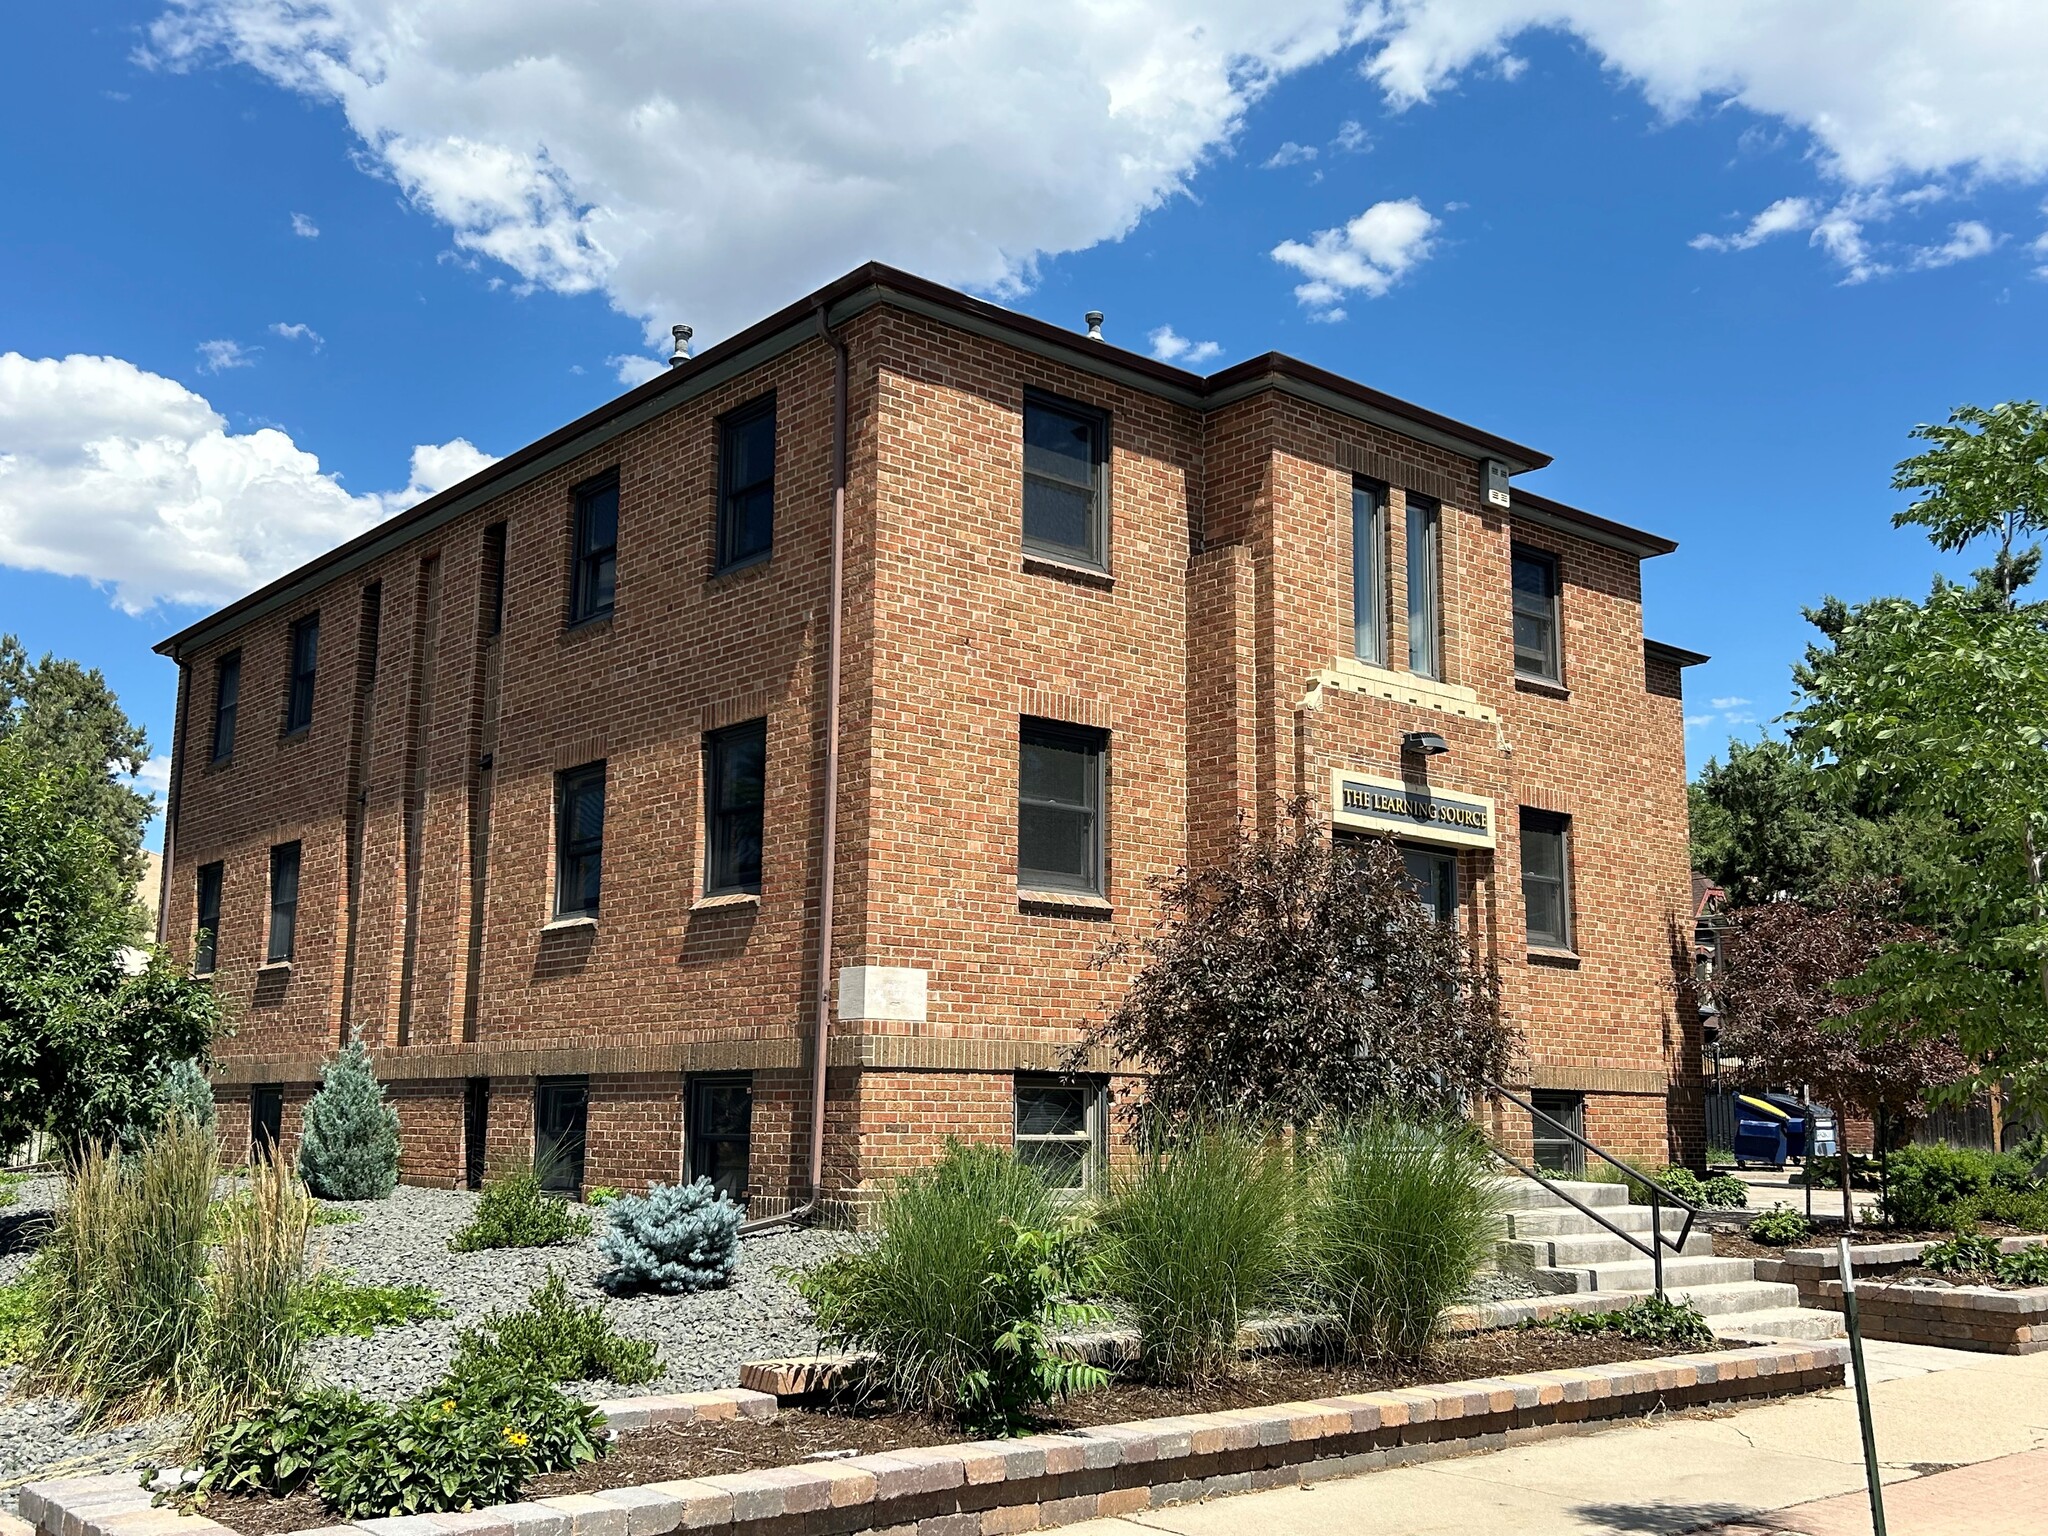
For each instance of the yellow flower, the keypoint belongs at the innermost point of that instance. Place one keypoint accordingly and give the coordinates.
(447, 1405)
(514, 1437)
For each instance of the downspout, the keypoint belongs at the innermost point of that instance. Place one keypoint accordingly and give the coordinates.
(821, 1032)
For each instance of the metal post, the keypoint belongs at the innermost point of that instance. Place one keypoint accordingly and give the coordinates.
(1657, 1240)
(1855, 1327)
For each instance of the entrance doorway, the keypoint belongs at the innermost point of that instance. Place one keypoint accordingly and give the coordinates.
(560, 1109)
(266, 1121)
(476, 1122)
(1434, 874)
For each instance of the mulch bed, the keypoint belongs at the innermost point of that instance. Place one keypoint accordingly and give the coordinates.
(668, 1452)
(1921, 1275)
(1739, 1245)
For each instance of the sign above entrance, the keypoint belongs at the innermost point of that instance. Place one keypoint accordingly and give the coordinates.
(1367, 803)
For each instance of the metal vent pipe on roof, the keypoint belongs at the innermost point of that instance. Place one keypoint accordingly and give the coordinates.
(681, 355)
(1094, 321)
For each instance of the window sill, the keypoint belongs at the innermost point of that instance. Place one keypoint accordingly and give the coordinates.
(1077, 902)
(1527, 682)
(597, 623)
(1543, 954)
(218, 764)
(573, 921)
(751, 562)
(726, 901)
(269, 966)
(1067, 570)
(297, 732)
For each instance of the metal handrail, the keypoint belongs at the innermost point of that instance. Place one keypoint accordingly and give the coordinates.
(1659, 1195)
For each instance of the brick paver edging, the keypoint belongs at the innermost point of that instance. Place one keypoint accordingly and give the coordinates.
(1979, 1317)
(1811, 1269)
(995, 1487)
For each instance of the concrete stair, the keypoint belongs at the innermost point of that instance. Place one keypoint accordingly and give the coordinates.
(1565, 1251)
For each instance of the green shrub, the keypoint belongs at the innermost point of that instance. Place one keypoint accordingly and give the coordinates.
(1964, 1251)
(335, 1216)
(333, 1303)
(1650, 1320)
(2025, 1209)
(349, 1148)
(1398, 1220)
(1724, 1192)
(1780, 1227)
(1196, 1237)
(516, 1213)
(188, 1092)
(674, 1239)
(1923, 1182)
(21, 1315)
(552, 1339)
(2027, 1267)
(1826, 1172)
(601, 1194)
(956, 1293)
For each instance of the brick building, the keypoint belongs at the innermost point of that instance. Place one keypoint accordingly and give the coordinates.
(530, 784)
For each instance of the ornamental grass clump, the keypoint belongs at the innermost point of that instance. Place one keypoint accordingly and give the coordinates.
(1193, 1239)
(1398, 1219)
(251, 1341)
(674, 1239)
(960, 1290)
(349, 1148)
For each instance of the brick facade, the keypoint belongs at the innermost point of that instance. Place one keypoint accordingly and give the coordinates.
(1215, 652)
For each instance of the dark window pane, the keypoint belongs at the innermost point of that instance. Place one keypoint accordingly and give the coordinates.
(1424, 600)
(746, 484)
(1059, 797)
(579, 833)
(284, 901)
(1535, 606)
(305, 659)
(720, 1125)
(1056, 770)
(1533, 577)
(1368, 572)
(1065, 457)
(1059, 514)
(1546, 882)
(560, 1116)
(735, 762)
(1434, 877)
(206, 948)
(1062, 1164)
(227, 694)
(1059, 445)
(1051, 1110)
(1056, 842)
(597, 538)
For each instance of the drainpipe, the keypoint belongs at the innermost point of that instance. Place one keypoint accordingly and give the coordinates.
(821, 1033)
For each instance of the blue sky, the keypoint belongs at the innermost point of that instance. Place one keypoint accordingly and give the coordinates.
(271, 272)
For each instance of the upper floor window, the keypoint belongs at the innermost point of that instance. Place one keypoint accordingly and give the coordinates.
(227, 693)
(1537, 653)
(1066, 481)
(1425, 587)
(494, 580)
(298, 703)
(1369, 572)
(746, 484)
(1546, 878)
(1059, 807)
(597, 550)
(284, 902)
(735, 792)
(579, 840)
(206, 921)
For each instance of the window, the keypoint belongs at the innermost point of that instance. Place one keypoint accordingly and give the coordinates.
(735, 774)
(1425, 638)
(1066, 482)
(721, 1119)
(597, 550)
(1059, 1129)
(284, 902)
(298, 704)
(561, 1113)
(1059, 808)
(206, 922)
(227, 693)
(1434, 875)
(579, 840)
(476, 1129)
(1555, 1151)
(1546, 878)
(1536, 626)
(746, 484)
(266, 1121)
(1369, 572)
(494, 580)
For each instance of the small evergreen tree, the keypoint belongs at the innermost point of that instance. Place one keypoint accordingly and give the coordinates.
(188, 1092)
(676, 1238)
(350, 1147)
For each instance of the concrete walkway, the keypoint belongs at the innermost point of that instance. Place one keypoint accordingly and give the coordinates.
(1733, 1471)
(1777, 1186)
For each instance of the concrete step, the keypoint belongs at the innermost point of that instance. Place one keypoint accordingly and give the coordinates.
(1520, 1194)
(1640, 1275)
(1563, 1221)
(1582, 1249)
(1780, 1323)
(1722, 1301)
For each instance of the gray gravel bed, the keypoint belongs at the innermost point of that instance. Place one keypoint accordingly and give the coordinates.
(1504, 1285)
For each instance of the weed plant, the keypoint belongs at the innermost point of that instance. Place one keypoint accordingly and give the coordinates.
(332, 1303)
(21, 1313)
(1199, 1235)
(552, 1339)
(1399, 1218)
(516, 1212)
(1651, 1320)
(1780, 1227)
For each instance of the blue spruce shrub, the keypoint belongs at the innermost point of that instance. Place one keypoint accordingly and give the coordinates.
(349, 1149)
(187, 1092)
(675, 1238)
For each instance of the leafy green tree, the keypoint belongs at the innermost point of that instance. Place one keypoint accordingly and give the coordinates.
(89, 1027)
(66, 716)
(349, 1149)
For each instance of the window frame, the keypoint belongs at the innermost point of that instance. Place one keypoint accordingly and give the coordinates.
(1095, 741)
(1098, 423)
(586, 558)
(1369, 626)
(281, 855)
(1537, 822)
(227, 705)
(726, 556)
(208, 882)
(301, 674)
(1552, 613)
(700, 1083)
(1446, 901)
(568, 783)
(1425, 581)
(496, 543)
(719, 877)
(1572, 1105)
(1092, 1136)
(574, 1089)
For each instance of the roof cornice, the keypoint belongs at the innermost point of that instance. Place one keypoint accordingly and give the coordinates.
(1542, 512)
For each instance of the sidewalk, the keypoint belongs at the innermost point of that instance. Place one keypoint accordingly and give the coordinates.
(1735, 1472)
(1776, 1186)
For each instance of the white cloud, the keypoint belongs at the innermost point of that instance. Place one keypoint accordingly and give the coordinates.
(1694, 722)
(1731, 702)
(1169, 346)
(1368, 255)
(298, 332)
(154, 779)
(219, 356)
(1288, 154)
(1782, 217)
(304, 227)
(1352, 139)
(131, 481)
(1966, 241)
(632, 368)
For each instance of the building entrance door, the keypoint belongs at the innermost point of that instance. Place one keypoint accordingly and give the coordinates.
(1434, 874)
(266, 1122)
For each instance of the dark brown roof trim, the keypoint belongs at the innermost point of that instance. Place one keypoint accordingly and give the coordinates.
(790, 327)
(1675, 655)
(1545, 513)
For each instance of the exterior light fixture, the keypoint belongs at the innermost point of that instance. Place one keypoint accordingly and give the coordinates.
(1424, 744)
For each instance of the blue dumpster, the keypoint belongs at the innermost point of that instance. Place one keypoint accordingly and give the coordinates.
(1760, 1128)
